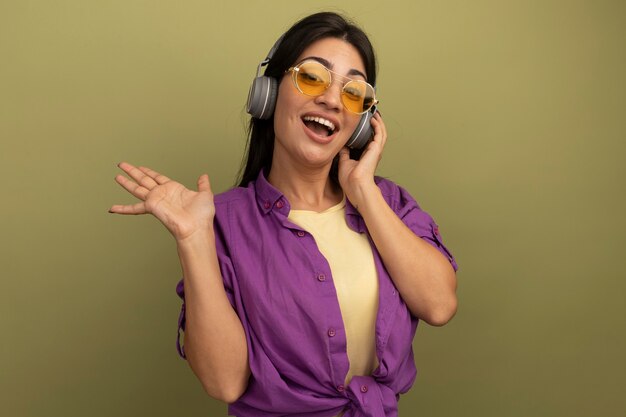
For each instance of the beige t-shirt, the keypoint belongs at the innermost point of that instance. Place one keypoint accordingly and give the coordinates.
(351, 262)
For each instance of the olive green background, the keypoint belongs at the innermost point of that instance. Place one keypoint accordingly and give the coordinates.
(506, 121)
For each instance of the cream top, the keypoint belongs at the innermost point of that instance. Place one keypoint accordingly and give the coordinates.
(351, 262)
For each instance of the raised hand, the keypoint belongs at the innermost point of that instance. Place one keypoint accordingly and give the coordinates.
(182, 211)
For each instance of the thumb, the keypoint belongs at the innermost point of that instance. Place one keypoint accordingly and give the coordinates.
(203, 183)
(344, 154)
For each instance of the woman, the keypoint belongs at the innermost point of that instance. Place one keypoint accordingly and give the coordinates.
(303, 286)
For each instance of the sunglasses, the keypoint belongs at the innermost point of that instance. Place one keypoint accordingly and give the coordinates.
(312, 78)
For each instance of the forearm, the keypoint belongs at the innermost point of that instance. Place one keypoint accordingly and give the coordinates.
(215, 342)
(423, 276)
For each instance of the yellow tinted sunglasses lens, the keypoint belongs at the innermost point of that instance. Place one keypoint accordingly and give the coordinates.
(312, 78)
(358, 96)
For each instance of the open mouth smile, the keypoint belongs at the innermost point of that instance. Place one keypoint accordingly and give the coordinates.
(319, 128)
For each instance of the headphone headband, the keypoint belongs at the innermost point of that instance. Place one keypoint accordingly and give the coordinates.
(272, 51)
(269, 56)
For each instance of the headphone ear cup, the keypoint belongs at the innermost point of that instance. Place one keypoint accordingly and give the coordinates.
(363, 133)
(262, 97)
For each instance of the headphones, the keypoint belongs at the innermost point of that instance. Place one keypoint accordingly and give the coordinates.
(262, 100)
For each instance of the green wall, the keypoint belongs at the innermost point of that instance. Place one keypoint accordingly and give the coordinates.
(506, 120)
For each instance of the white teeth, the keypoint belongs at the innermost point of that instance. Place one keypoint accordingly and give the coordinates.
(321, 121)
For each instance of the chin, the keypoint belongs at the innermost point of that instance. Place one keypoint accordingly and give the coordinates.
(318, 157)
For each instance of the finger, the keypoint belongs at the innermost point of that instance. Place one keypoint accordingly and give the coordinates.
(203, 183)
(373, 151)
(138, 175)
(132, 187)
(378, 139)
(380, 131)
(381, 124)
(374, 147)
(159, 178)
(139, 208)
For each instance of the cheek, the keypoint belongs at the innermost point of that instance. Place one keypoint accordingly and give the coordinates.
(351, 123)
(281, 126)
(284, 102)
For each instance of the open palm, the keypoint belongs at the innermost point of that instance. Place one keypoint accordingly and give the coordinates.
(182, 211)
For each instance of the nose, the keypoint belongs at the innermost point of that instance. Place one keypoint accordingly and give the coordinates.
(331, 98)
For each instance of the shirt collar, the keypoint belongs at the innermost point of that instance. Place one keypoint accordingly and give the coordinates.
(350, 210)
(269, 197)
(353, 218)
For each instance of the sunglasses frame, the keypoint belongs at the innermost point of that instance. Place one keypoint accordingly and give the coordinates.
(295, 69)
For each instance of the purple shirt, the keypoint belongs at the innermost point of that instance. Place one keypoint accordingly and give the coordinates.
(282, 289)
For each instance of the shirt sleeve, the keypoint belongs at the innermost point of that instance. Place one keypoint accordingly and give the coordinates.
(419, 221)
(227, 270)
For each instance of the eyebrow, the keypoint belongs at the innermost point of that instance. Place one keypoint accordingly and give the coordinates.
(327, 64)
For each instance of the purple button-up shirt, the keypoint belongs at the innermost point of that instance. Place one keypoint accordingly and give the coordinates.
(296, 339)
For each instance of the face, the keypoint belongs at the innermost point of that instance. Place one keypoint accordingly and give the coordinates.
(299, 138)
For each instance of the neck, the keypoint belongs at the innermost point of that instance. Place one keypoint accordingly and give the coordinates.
(306, 188)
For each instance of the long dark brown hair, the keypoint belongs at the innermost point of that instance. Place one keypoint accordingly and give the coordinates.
(260, 146)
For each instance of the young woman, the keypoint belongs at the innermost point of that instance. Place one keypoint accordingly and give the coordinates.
(303, 286)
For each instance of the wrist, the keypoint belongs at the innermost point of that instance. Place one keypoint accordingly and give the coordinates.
(198, 238)
(361, 195)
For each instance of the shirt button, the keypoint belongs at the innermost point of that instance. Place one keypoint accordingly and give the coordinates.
(331, 332)
(321, 277)
(266, 204)
(364, 388)
(300, 233)
(340, 388)
(279, 204)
